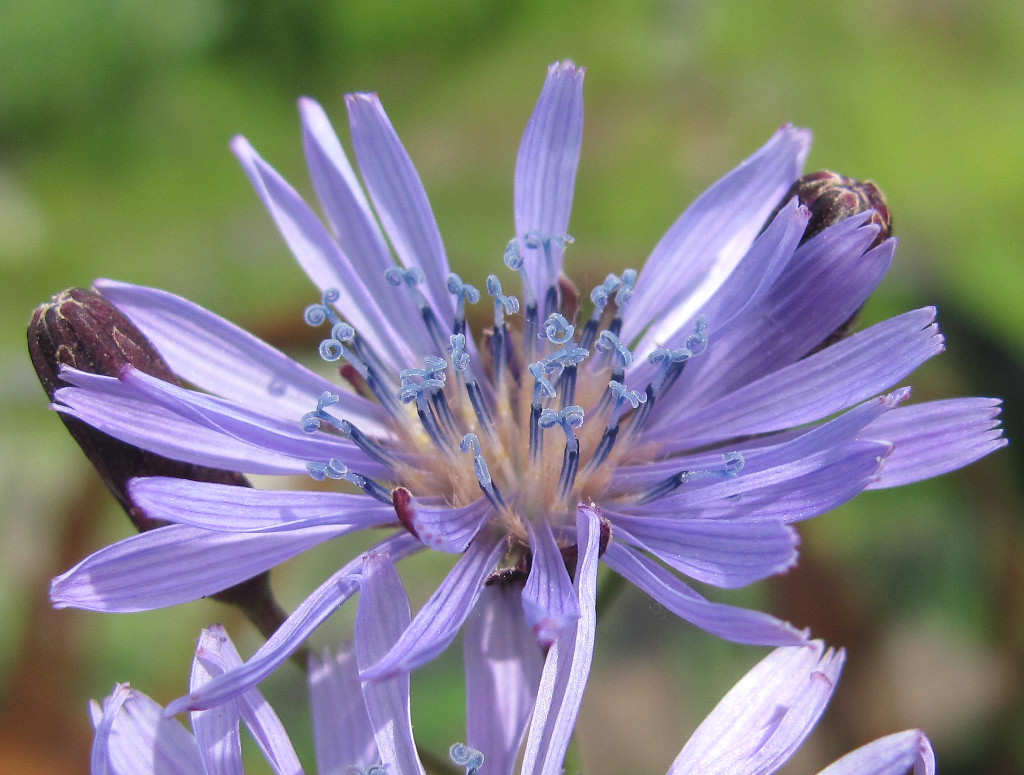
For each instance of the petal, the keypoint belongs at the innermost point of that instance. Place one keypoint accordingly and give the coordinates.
(704, 245)
(143, 424)
(503, 667)
(936, 437)
(319, 255)
(859, 461)
(133, 737)
(724, 553)
(567, 665)
(399, 198)
(355, 227)
(821, 384)
(765, 716)
(381, 618)
(735, 624)
(310, 614)
(444, 528)
(756, 271)
(549, 599)
(823, 285)
(785, 456)
(221, 358)
(891, 755)
(224, 508)
(145, 571)
(438, 621)
(546, 174)
(341, 728)
(286, 437)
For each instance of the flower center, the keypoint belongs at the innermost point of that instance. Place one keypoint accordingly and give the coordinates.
(535, 418)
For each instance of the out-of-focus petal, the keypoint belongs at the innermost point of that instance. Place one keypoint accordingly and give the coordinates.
(765, 716)
(891, 755)
(503, 667)
(216, 729)
(546, 175)
(133, 737)
(567, 665)
(215, 656)
(341, 728)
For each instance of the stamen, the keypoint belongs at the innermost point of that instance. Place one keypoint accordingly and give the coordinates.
(457, 350)
(671, 362)
(622, 396)
(542, 387)
(535, 240)
(471, 442)
(411, 278)
(569, 418)
(460, 360)
(622, 297)
(467, 757)
(421, 386)
(563, 362)
(334, 347)
(733, 463)
(335, 469)
(600, 296)
(503, 305)
(463, 292)
(609, 342)
(311, 424)
(514, 260)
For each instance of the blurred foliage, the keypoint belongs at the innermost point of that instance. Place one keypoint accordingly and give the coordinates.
(114, 122)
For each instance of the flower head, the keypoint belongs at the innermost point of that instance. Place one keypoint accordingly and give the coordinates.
(681, 417)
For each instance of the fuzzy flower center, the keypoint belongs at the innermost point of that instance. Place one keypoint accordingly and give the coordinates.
(535, 418)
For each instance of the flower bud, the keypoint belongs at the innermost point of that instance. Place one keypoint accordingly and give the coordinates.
(832, 198)
(80, 328)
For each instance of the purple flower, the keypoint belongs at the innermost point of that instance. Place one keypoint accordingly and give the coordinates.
(685, 413)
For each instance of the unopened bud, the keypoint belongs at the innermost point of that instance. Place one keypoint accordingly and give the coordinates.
(832, 198)
(80, 328)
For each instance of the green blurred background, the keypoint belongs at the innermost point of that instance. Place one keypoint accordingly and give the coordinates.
(114, 123)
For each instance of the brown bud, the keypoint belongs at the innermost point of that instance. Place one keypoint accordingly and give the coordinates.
(80, 328)
(832, 198)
